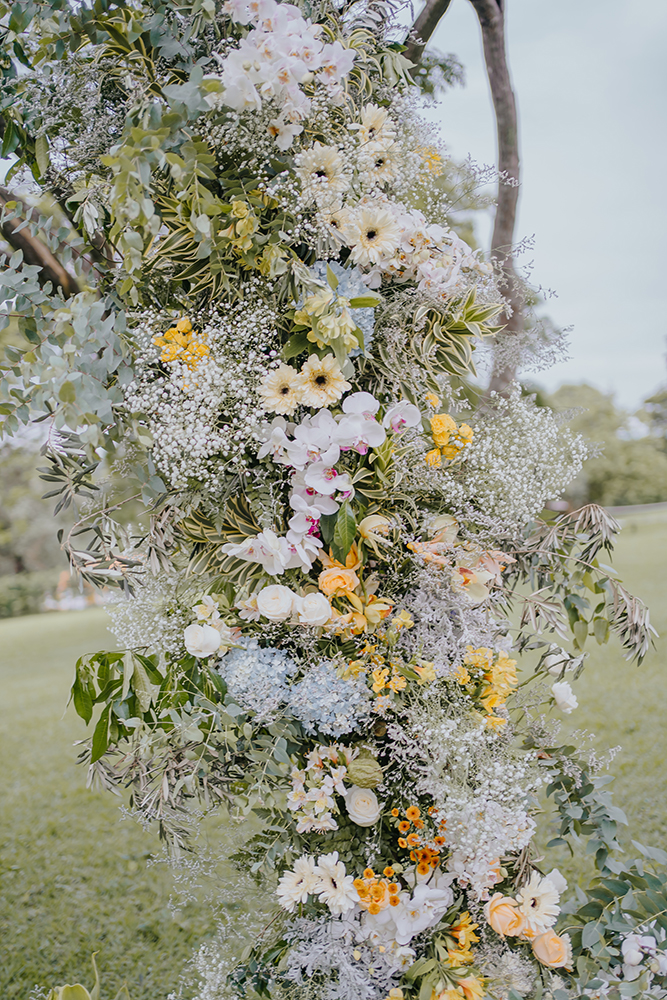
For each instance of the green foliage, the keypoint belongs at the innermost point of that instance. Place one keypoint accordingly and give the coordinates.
(73, 877)
(630, 470)
(573, 590)
(24, 593)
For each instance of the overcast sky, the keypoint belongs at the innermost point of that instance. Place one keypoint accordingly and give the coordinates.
(590, 79)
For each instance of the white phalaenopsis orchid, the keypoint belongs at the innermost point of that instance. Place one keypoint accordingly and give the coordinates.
(402, 415)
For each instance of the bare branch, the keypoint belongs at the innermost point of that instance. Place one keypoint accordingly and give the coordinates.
(35, 252)
(424, 26)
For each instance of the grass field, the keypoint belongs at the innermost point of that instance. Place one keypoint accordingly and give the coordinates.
(73, 878)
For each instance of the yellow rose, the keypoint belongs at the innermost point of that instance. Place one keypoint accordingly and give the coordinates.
(442, 427)
(466, 433)
(434, 458)
(503, 917)
(552, 950)
(337, 581)
(184, 325)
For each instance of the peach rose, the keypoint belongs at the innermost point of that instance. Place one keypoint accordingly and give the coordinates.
(502, 915)
(337, 581)
(552, 950)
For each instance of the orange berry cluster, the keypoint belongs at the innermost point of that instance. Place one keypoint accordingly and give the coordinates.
(375, 893)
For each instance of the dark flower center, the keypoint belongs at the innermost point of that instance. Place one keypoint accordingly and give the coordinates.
(321, 380)
(371, 234)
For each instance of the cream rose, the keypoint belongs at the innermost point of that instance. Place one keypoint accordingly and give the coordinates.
(276, 602)
(202, 640)
(313, 609)
(337, 581)
(502, 916)
(553, 950)
(363, 807)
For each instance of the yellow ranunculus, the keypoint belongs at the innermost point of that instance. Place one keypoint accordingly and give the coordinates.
(442, 428)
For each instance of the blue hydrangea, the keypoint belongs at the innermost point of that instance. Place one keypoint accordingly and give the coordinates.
(257, 677)
(351, 285)
(326, 703)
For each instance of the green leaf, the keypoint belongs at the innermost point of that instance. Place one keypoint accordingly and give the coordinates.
(42, 153)
(67, 393)
(101, 736)
(327, 527)
(590, 935)
(83, 703)
(601, 630)
(296, 345)
(344, 532)
(580, 630)
(365, 302)
(332, 279)
(76, 992)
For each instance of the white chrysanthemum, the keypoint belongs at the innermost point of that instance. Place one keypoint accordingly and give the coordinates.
(280, 391)
(372, 234)
(538, 902)
(295, 886)
(335, 887)
(323, 381)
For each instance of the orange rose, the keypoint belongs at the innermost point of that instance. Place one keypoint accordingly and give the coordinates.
(503, 917)
(552, 950)
(337, 581)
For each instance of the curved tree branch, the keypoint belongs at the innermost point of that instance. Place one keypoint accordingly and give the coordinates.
(491, 16)
(36, 252)
(426, 23)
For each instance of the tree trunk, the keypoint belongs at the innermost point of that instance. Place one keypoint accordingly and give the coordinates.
(491, 16)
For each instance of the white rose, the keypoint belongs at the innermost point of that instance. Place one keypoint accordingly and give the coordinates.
(363, 807)
(314, 609)
(276, 602)
(202, 640)
(565, 697)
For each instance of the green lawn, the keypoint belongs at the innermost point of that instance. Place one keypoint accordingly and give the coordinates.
(624, 705)
(73, 877)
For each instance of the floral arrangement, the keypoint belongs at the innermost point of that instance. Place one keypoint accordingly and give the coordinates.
(268, 364)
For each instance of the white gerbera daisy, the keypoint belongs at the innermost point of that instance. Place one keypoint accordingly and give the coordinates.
(374, 125)
(538, 902)
(322, 173)
(377, 162)
(322, 381)
(296, 885)
(280, 390)
(372, 234)
(335, 886)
